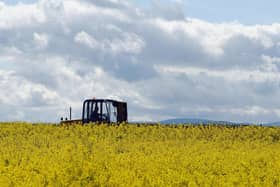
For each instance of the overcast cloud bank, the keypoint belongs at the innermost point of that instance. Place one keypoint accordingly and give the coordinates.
(56, 53)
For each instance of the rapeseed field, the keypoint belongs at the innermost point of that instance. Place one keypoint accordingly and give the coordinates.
(138, 155)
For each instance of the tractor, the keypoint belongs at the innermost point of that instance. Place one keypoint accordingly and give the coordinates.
(100, 111)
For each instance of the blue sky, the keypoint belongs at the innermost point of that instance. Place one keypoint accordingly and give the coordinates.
(246, 12)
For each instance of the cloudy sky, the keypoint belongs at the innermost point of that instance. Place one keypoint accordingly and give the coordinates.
(167, 59)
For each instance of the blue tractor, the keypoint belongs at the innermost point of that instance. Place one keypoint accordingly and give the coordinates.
(101, 111)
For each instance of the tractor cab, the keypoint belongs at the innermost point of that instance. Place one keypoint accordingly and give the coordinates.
(103, 110)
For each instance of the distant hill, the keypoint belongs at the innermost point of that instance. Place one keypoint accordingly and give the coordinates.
(206, 121)
(197, 121)
(271, 124)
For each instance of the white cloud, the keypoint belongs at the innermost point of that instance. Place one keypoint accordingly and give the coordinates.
(74, 8)
(41, 40)
(57, 53)
(84, 38)
(128, 43)
(257, 75)
(18, 91)
(20, 15)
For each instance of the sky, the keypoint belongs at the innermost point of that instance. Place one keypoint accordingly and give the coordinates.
(167, 59)
(246, 12)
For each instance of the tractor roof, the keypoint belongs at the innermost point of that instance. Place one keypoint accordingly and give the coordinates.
(103, 100)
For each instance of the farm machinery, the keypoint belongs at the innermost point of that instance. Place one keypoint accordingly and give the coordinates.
(100, 111)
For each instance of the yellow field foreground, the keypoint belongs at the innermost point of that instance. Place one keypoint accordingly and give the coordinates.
(130, 155)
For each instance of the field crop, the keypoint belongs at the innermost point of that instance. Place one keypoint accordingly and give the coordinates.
(131, 155)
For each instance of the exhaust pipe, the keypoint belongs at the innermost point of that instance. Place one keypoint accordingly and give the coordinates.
(70, 113)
